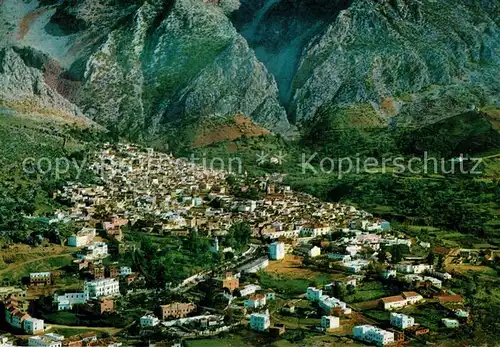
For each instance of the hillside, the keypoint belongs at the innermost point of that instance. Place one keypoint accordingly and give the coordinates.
(146, 69)
(37, 156)
(232, 129)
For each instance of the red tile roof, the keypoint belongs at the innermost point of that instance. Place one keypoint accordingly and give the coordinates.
(450, 298)
(410, 294)
(395, 298)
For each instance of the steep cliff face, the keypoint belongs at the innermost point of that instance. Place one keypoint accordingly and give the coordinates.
(420, 60)
(279, 30)
(145, 67)
(174, 64)
(149, 65)
(25, 84)
(423, 60)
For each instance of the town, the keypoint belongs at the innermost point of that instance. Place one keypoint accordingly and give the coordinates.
(160, 249)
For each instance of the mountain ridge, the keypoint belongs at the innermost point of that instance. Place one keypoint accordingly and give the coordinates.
(160, 66)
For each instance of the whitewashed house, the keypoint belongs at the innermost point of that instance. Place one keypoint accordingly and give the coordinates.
(65, 302)
(82, 238)
(149, 321)
(402, 321)
(314, 252)
(330, 322)
(277, 251)
(101, 287)
(260, 321)
(372, 334)
(33, 326)
(313, 294)
(256, 301)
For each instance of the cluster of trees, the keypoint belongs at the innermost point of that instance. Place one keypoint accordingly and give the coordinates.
(238, 236)
(460, 204)
(171, 260)
(342, 290)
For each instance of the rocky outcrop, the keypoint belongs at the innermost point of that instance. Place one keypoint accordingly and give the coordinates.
(23, 86)
(146, 67)
(423, 60)
(178, 64)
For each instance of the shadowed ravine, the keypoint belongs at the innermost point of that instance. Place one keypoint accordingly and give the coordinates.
(279, 30)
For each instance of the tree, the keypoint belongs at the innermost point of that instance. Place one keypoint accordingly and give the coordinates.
(397, 253)
(339, 291)
(351, 289)
(382, 256)
(430, 258)
(241, 233)
(231, 180)
(440, 263)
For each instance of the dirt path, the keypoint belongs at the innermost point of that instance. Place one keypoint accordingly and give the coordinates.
(109, 330)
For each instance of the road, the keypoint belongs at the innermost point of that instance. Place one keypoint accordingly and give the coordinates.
(244, 257)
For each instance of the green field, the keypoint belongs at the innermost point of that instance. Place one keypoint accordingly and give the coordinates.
(427, 315)
(290, 286)
(368, 291)
(379, 315)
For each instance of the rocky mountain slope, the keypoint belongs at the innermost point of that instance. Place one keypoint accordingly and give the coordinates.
(26, 85)
(147, 67)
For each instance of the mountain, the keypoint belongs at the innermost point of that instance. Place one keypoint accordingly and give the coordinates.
(410, 61)
(150, 69)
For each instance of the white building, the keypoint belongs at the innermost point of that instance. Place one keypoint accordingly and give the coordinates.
(389, 273)
(277, 250)
(47, 340)
(461, 313)
(357, 265)
(450, 323)
(289, 234)
(393, 302)
(33, 326)
(435, 282)
(260, 321)
(372, 334)
(36, 277)
(412, 297)
(256, 301)
(249, 289)
(330, 322)
(441, 275)
(313, 294)
(101, 287)
(125, 271)
(97, 250)
(255, 266)
(402, 321)
(412, 278)
(413, 268)
(82, 238)
(4, 342)
(314, 252)
(327, 303)
(315, 230)
(149, 321)
(66, 301)
(342, 257)
(354, 249)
